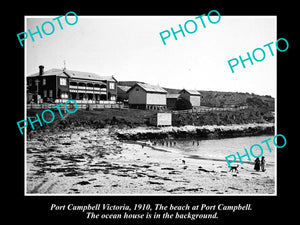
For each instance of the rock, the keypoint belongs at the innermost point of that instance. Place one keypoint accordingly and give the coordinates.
(66, 143)
(83, 182)
(204, 170)
(175, 172)
(234, 188)
(167, 168)
(154, 182)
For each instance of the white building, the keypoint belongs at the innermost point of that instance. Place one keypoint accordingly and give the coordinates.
(146, 96)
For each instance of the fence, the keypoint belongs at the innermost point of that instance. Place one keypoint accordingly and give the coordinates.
(208, 109)
(80, 106)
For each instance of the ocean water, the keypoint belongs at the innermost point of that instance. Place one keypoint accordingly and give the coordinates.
(218, 149)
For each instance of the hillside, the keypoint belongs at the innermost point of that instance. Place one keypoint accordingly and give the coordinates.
(223, 99)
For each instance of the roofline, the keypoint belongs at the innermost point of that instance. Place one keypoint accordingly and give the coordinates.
(145, 90)
(71, 77)
(133, 87)
(190, 93)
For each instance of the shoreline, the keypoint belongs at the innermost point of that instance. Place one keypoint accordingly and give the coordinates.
(195, 132)
(93, 161)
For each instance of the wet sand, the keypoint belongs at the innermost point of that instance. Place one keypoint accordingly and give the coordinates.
(90, 161)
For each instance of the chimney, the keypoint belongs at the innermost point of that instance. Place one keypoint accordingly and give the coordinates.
(41, 70)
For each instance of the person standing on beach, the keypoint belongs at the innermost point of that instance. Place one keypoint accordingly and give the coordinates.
(263, 164)
(257, 164)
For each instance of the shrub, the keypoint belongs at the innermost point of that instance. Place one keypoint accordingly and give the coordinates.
(182, 104)
(255, 102)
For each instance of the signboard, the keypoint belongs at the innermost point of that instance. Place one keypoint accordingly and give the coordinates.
(164, 119)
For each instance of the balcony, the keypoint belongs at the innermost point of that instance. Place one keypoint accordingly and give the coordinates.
(73, 87)
(82, 88)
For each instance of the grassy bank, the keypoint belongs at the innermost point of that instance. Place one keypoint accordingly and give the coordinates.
(245, 116)
(130, 118)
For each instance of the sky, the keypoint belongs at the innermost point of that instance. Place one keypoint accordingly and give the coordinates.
(130, 48)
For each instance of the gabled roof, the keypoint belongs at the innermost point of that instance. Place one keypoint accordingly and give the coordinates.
(51, 72)
(191, 92)
(124, 88)
(149, 88)
(74, 74)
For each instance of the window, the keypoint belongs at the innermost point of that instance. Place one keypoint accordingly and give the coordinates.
(45, 92)
(44, 81)
(113, 98)
(63, 81)
(137, 89)
(111, 85)
(50, 93)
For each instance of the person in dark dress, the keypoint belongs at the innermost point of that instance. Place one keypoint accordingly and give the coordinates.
(257, 164)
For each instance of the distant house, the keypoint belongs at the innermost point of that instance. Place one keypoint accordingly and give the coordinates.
(122, 93)
(146, 96)
(171, 100)
(192, 95)
(59, 85)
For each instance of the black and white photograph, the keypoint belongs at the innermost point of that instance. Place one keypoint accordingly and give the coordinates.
(155, 109)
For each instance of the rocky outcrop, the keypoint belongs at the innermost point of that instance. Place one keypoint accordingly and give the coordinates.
(203, 132)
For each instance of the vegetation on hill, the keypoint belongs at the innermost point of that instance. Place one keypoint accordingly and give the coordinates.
(182, 104)
(233, 99)
(244, 116)
(128, 118)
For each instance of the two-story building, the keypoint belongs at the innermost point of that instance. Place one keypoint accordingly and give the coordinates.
(59, 85)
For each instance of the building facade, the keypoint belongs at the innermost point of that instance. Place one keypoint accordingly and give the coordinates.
(191, 95)
(146, 96)
(59, 85)
(122, 93)
(171, 100)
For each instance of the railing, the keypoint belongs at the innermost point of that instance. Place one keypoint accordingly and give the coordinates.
(208, 109)
(83, 104)
(88, 88)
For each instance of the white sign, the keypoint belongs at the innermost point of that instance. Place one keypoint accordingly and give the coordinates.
(164, 119)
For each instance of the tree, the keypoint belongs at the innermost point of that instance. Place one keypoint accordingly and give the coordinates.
(182, 104)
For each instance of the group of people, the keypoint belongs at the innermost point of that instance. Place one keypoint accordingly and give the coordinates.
(165, 142)
(154, 143)
(260, 164)
(170, 143)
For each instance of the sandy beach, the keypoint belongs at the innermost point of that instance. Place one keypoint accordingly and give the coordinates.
(93, 161)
